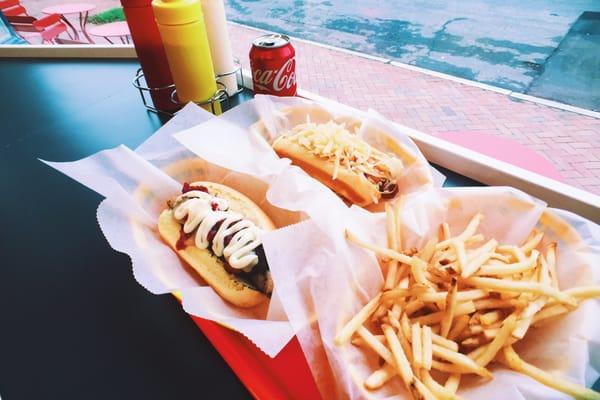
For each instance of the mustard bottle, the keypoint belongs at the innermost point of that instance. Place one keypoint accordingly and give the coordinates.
(183, 32)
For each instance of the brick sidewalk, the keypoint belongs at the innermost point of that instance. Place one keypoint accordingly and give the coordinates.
(435, 105)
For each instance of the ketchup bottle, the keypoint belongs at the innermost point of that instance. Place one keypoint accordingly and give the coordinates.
(150, 51)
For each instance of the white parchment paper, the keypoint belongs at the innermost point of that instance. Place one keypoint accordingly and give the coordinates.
(327, 280)
(137, 184)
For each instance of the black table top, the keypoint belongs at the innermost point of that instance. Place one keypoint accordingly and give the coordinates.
(74, 322)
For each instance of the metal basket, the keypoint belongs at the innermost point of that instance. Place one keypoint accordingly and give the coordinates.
(221, 96)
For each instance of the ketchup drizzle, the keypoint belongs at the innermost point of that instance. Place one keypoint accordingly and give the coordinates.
(180, 245)
(228, 238)
(213, 231)
(188, 188)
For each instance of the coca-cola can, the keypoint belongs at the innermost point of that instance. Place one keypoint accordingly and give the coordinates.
(273, 64)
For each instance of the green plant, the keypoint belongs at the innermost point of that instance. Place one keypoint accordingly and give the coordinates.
(110, 15)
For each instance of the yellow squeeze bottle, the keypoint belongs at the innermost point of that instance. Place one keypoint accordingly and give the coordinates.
(183, 32)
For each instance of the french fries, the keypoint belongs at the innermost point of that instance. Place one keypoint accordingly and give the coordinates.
(357, 321)
(460, 324)
(499, 341)
(450, 309)
(401, 362)
(512, 359)
(416, 345)
(427, 344)
(457, 305)
(392, 234)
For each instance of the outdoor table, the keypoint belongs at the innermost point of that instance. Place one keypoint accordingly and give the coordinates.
(506, 150)
(112, 30)
(75, 324)
(64, 9)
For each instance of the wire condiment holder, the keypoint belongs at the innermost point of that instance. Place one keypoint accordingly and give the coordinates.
(219, 97)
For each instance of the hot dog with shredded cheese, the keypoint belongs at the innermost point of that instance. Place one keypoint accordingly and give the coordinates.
(342, 161)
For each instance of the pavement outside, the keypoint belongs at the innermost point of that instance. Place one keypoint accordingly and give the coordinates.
(436, 105)
(572, 74)
(513, 44)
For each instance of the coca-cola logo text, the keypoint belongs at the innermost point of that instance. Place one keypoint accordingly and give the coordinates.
(276, 80)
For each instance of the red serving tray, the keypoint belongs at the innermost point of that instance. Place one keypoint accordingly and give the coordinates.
(286, 376)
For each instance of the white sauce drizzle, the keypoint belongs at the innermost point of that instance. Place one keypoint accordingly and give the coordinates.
(198, 207)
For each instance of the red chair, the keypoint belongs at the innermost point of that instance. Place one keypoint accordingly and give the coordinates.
(12, 8)
(48, 27)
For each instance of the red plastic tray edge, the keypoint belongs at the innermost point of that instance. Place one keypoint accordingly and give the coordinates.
(287, 376)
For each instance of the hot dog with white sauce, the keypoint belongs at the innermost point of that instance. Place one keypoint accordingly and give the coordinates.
(217, 231)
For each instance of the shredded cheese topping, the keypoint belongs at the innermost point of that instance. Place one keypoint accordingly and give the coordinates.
(333, 142)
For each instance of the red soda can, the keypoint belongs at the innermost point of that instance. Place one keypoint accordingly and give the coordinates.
(273, 64)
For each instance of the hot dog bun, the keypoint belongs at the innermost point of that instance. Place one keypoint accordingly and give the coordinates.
(211, 268)
(351, 186)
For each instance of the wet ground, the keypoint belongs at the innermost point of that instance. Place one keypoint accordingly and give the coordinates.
(545, 48)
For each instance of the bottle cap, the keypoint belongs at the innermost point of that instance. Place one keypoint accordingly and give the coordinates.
(177, 12)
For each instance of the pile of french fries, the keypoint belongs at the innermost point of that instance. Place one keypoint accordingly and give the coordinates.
(457, 305)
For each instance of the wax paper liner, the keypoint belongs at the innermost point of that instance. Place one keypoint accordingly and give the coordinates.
(137, 184)
(327, 280)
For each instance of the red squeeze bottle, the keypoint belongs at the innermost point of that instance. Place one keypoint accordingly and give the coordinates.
(150, 51)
